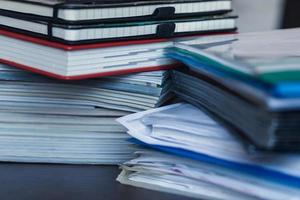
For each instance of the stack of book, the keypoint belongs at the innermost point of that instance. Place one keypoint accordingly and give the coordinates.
(243, 91)
(83, 39)
(72, 120)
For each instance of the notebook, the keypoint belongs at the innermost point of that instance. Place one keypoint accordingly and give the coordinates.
(83, 61)
(89, 33)
(87, 11)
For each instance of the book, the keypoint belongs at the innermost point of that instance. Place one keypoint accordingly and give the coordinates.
(44, 120)
(71, 12)
(105, 32)
(70, 62)
(263, 83)
(196, 151)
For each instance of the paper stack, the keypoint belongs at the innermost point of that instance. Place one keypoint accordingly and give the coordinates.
(250, 81)
(198, 157)
(45, 120)
(244, 94)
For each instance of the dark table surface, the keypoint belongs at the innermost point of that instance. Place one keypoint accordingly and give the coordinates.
(69, 182)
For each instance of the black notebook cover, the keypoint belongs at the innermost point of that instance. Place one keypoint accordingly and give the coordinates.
(162, 29)
(50, 10)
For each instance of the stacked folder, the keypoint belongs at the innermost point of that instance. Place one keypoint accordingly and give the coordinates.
(243, 91)
(190, 153)
(249, 81)
(84, 39)
(45, 120)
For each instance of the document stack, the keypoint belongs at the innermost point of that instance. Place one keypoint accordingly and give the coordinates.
(60, 121)
(244, 95)
(83, 39)
(45, 120)
(250, 81)
(199, 157)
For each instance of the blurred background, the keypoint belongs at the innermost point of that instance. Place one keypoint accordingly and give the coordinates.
(261, 15)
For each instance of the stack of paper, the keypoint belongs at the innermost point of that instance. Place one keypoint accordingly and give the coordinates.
(251, 81)
(205, 160)
(45, 120)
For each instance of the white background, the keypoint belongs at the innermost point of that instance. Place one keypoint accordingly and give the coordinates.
(258, 15)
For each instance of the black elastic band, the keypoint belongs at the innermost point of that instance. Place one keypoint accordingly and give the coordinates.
(50, 30)
(164, 13)
(165, 30)
(53, 20)
(55, 11)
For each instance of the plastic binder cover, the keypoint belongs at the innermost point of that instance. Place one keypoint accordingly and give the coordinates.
(266, 60)
(88, 33)
(86, 11)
